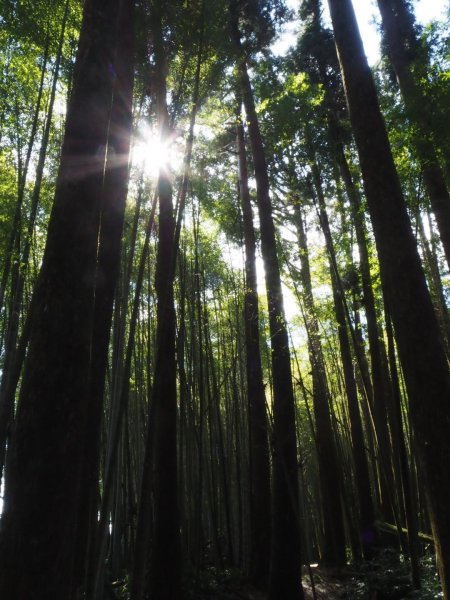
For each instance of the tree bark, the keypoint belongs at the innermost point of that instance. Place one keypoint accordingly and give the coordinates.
(366, 507)
(333, 551)
(45, 459)
(420, 346)
(113, 200)
(378, 390)
(258, 429)
(161, 465)
(402, 47)
(285, 564)
(13, 360)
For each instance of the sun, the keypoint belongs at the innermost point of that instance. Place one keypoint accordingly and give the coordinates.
(151, 154)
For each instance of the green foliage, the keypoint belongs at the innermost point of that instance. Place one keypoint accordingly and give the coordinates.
(258, 22)
(388, 575)
(8, 194)
(294, 96)
(437, 40)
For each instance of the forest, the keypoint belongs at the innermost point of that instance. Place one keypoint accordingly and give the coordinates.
(224, 302)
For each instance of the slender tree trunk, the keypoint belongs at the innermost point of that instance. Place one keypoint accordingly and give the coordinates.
(117, 416)
(258, 429)
(379, 391)
(420, 346)
(333, 551)
(285, 566)
(400, 444)
(367, 512)
(142, 538)
(201, 391)
(435, 281)
(14, 237)
(402, 47)
(165, 551)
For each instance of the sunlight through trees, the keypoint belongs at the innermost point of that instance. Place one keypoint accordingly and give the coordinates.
(224, 300)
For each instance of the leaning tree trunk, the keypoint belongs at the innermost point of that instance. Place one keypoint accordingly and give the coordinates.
(45, 458)
(420, 346)
(285, 553)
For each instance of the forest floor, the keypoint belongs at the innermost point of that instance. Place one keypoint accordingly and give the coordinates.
(386, 578)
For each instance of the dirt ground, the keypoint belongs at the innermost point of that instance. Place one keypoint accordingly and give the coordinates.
(386, 577)
(325, 586)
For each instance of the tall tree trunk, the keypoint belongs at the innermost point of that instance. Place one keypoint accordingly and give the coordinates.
(14, 237)
(435, 282)
(123, 393)
(420, 346)
(379, 390)
(13, 359)
(333, 551)
(165, 551)
(285, 565)
(403, 47)
(366, 507)
(142, 538)
(376, 387)
(258, 429)
(45, 459)
(108, 267)
(400, 445)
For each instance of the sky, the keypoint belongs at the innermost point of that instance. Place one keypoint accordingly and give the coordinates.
(367, 13)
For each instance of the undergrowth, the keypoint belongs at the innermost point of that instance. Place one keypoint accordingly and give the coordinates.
(386, 577)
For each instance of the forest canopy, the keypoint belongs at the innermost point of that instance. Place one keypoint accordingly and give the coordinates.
(224, 301)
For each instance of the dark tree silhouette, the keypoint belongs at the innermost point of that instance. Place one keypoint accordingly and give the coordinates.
(420, 346)
(45, 458)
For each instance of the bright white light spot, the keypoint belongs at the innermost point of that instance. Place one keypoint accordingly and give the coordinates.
(152, 154)
(427, 10)
(286, 40)
(368, 17)
(369, 20)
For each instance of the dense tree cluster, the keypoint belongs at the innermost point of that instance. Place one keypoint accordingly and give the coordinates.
(224, 286)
